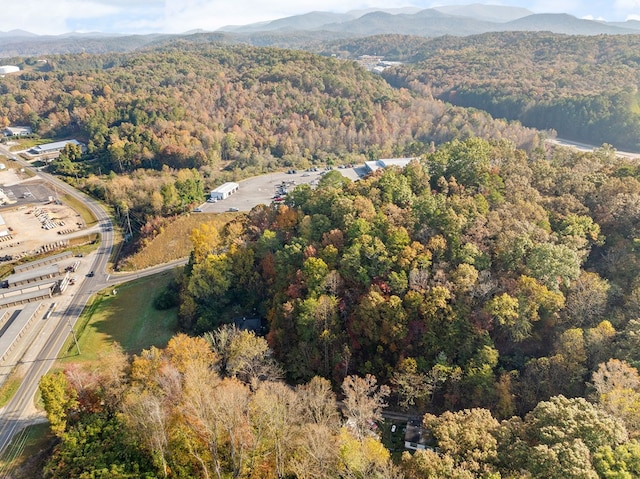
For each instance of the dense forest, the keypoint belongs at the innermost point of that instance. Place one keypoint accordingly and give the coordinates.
(491, 287)
(508, 277)
(222, 113)
(586, 88)
(492, 290)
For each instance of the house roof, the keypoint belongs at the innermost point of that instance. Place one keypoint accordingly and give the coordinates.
(416, 434)
(249, 324)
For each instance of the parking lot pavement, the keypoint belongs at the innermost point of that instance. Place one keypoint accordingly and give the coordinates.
(262, 189)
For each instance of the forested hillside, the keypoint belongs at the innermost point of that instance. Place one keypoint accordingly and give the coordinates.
(507, 274)
(216, 113)
(585, 87)
(494, 289)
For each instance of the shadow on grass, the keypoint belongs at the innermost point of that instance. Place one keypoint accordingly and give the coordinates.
(127, 317)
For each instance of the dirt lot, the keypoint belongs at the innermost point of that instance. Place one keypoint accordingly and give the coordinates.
(32, 216)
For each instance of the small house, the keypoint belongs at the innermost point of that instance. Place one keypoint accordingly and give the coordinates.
(250, 324)
(416, 438)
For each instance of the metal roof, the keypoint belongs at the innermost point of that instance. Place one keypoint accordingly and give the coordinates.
(48, 270)
(16, 327)
(226, 187)
(58, 145)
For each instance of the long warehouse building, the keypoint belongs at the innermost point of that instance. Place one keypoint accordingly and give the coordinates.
(31, 276)
(18, 327)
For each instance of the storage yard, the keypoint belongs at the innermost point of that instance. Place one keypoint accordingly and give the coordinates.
(34, 220)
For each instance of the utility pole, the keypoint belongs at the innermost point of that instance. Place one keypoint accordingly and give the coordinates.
(75, 338)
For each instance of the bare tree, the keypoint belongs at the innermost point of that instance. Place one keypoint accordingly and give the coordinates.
(316, 453)
(318, 403)
(363, 402)
(149, 417)
(275, 413)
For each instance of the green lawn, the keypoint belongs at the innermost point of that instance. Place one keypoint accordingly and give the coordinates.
(26, 455)
(128, 318)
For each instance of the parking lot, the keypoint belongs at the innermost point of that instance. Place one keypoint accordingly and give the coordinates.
(263, 189)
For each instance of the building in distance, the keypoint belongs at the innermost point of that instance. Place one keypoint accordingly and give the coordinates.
(224, 191)
(372, 166)
(6, 69)
(55, 147)
(17, 131)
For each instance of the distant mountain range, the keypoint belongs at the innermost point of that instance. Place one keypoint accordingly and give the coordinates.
(458, 20)
(300, 31)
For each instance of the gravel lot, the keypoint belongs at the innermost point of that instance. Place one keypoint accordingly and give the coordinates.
(27, 231)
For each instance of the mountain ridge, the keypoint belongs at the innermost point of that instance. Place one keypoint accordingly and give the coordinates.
(312, 28)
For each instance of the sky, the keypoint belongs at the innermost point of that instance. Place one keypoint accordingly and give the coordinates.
(51, 17)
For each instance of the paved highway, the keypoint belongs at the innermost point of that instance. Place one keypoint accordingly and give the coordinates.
(15, 415)
(585, 147)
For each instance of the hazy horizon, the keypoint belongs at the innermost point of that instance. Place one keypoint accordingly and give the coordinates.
(178, 16)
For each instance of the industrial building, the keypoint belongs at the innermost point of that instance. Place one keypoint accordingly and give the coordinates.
(372, 166)
(5, 69)
(31, 276)
(19, 268)
(4, 230)
(54, 147)
(17, 328)
(224, 191)
(18, 131)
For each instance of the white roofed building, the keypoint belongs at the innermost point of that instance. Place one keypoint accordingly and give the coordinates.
(17, 131)
(54, 147)
(4, 230)
(372, 166)
(4, 69)
(224, 191)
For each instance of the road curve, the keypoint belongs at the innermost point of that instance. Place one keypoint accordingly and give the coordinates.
(14, 415)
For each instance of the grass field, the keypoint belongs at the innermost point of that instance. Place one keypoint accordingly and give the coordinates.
(128, 318)
(173, 242)
(86, 214)
(24, 458)
(9, 387)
